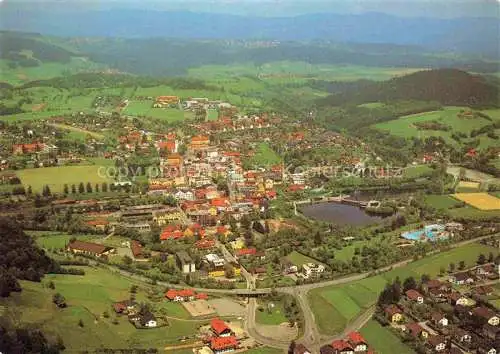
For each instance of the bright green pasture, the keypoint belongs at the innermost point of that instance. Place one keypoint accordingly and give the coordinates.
(56, 177)
(382, 340)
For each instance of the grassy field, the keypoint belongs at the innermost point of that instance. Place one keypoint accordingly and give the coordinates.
(417, 171)
(78, 133)
(382, 340)
(56, 177)
(405, 126)
(275, 317)
(145, 108)
(441, 201)
(299, 259)
(88, 297)
(297, 71)
(335, 306)
(265, 156)
(53, 239)
(49, 70)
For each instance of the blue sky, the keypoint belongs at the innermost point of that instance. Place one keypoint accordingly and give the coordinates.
(412, 8)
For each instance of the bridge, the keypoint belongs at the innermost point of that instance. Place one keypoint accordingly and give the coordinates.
(252, 292)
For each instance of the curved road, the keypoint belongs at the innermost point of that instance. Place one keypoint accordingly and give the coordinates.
(311, 337)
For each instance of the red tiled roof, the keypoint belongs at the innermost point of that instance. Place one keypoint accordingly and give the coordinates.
(221, 343)
(391, 310)
(341, 345)
(219, 202)
(202, 296)
(412, 294)
(221, 229)
(219, 326)
(186, 292)
(171, 294)
(87, 246)
(356, 338)
(136, 248)
(204, 244)
(97, 222)
(246, 251)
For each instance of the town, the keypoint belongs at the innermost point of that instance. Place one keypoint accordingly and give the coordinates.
(247, 207)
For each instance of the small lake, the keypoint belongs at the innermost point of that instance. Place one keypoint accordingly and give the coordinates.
(340, 214)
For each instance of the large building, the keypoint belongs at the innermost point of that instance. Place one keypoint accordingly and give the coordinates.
(88, 248)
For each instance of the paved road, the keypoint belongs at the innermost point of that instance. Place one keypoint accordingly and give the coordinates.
(311, 337)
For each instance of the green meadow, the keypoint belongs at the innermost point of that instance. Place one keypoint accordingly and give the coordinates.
(88, 297)
(265, 156)
(382, 340)
(275, 316)
(336, 306)
(297, 71)
(56, 177)
(405, 126)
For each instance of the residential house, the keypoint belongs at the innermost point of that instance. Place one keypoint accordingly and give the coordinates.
(461, 278)
(394, 313)
(486, 314)
(147, 319)
(486, 270)
(312, 269)
(185, 262)
(205, 244)
(461, 335)
(435, 284)
(491, 332)
(483, 290)
(171, 232)
(136, 249)
(88, 248)
(484, 348)
(223, 344)
(301, 349)
(357, 341)
(124, 307)
(220, 328)
(437, 343)
(165, 216)
(180, 295)
(439, 319)
(98, 225)
(456, 298)
(327, 349)
(342, 347)
(416, 331)
(415, 296)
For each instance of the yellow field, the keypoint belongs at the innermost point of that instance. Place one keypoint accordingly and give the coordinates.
(464, 184)
(482, 201)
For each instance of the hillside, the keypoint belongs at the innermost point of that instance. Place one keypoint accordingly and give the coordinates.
(446, 86)
(29, 56)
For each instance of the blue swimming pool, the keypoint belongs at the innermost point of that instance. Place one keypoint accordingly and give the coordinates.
(429, 232)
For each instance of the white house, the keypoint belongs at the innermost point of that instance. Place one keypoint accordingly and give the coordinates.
(312, 269)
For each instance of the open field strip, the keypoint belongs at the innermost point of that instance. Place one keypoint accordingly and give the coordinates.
(481, 201)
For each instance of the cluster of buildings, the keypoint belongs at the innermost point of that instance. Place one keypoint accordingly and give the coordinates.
(353, 343)
(470, 326)
(139, 317)
(222, 339)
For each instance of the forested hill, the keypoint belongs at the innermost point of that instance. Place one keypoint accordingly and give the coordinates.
(30, 49)
(446, 86)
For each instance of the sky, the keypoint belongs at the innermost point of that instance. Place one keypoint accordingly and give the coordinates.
(406, 8)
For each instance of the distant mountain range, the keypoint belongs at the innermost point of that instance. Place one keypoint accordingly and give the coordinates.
(471, 35)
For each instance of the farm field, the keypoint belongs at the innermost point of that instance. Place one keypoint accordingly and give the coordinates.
(405, 126)
(297, 71)
(335, 306)
(88, 297)
(382, 340)
(56, 177)
(481, 201)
